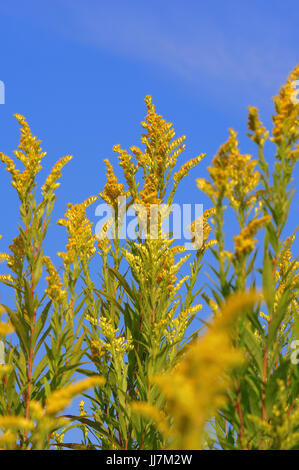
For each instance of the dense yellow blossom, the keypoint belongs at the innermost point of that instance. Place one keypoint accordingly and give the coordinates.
(113, 189)
(232, 174)
(55, 287)
(286, 119)
(184, 170)
(15, 422)
(258, 133)
(51, 181)
(30, 154)
(245, 243)
(200, 229)
(80, 235)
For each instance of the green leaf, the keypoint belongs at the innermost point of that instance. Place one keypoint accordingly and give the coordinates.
(20, 327)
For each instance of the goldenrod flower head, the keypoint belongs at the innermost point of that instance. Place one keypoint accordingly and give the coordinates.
(55, 287)
(80, 237)
(258, 134)
(6, 278)
(200, 229)
(18, 254)
(245, 243)
(286, 119)
(127, 165)
(30, 154)
(184, 170)
(51, 181)
(81, 405)
(113, 189)
(232, 175)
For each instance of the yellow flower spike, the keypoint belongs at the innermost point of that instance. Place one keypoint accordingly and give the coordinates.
(8, 438)
(60, 399)
(54, 289)
(80, 235)
(50, 183)
(197, 385)
(15, 423)
(202, 226)
(30, 154)
(113, 189)
(184, 170)
(6, 278)
(232, 175)
(5, 257)
(6, 329)
(286, 119)
(245, 243)
(18, 253)
(126, 164)
(37, 410)
(258, 134)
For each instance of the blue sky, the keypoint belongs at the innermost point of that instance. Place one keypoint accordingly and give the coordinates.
(79, 72)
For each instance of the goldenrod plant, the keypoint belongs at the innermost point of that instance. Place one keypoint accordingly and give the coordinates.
(120, 309)
(47, 346)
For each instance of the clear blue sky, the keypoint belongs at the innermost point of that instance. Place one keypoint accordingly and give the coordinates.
(79, 71)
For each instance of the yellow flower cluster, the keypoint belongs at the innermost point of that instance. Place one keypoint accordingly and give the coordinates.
(50, 183)
(232, 175)
(177, 326)
(5, 327)
(158, 159)
(15, 423)
(245, 243)
(258, 133)
(197, 386)
(159, 153)
(5, 256)
(18, 253)
(286, 119)
(113, 189)
(128, 167)
(6, 278)
(114, 344)
(200, 230)
(184, 170)
(80, 237)
(155, 262)
(287, 272)
(55, 287)
(30, 154)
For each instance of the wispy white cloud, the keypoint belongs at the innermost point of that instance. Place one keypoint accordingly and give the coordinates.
(236, 41)
(245, 43)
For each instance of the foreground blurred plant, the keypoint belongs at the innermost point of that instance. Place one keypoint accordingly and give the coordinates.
(46, 347)
(259, 203)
